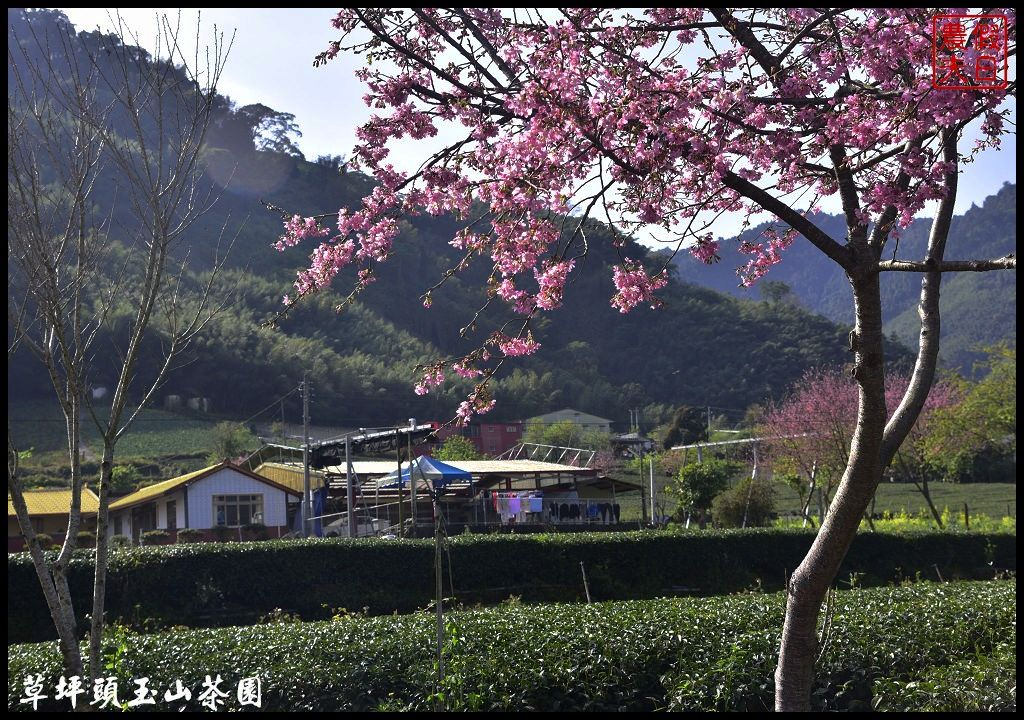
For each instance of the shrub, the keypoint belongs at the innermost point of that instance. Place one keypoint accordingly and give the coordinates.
(202, 583)
(190, 535)
(45, 541)
(124, 479)
(750, 500)
(86, 539)
(120, 541)
(676, 654)
(156, 537)
(978, 683)
(699, 483)
(256, 531)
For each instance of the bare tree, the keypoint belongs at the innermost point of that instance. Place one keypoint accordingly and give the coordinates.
(106, 109)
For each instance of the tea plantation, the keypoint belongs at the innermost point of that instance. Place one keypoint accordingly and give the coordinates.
(937, 646)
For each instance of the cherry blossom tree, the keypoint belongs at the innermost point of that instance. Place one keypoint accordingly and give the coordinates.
(811, 429)
(664, 120)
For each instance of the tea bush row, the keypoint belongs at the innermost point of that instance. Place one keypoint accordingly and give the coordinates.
(209, 584)
(677, 654)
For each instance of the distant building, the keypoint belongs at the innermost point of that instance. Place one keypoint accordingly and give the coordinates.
(224, 495)
(489, 438)
(586, 420)
(631, 445)
(48, 512)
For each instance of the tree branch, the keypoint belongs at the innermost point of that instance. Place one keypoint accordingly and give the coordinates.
(1008, 262)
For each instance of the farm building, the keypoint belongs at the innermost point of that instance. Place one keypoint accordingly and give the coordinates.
(498, 492)
(220, 496)
(48, 511)
(489, 438)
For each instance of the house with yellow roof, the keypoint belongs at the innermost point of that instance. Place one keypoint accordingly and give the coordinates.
(48, 511)
(224, 495)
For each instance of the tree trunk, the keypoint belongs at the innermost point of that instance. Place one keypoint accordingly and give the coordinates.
(100, 577)
(808, 585)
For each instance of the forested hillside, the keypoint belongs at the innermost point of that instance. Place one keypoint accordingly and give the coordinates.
(702, 348)
(977, 308)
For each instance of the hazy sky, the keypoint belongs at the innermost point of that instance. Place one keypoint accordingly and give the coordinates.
(271, 62)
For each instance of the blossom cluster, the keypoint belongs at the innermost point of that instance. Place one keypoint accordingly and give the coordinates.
(647, 121)
(635, 286)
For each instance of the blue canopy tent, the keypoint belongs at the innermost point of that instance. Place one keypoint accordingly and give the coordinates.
(426, 468)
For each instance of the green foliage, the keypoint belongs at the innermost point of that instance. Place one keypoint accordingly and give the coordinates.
(675, 654)
(231, 441)
(976, 440)
(85, 539)
(688, 426)
(566, 433)
(45, 541)
(752, 500)
(698, 483)
(236, 582)
(156, 537)
(457, 447)
(974, 683)
(118, 541)
(124, 479)
(188, 535)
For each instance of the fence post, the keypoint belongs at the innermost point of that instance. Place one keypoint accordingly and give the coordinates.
(586, 587)
(967, 518)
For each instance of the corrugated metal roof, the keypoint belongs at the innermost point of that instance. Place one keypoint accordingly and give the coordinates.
(290, 475)
(370, 468)
(157, 489)
(55, 502)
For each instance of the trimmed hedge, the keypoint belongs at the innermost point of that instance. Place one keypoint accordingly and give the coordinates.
(676, 654)
(207, 584)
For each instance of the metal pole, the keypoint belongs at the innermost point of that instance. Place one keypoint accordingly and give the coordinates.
(412, 482)
(651, 463)
(750, 490)
(306, 505)
(398, 459)
(438, 589)
(349, 494)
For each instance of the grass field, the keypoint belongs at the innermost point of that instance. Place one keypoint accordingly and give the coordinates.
(995, 500)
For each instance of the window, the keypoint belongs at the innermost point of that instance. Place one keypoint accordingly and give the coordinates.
(235, 510)
(117, 525)
(511, 428)
(172, 515)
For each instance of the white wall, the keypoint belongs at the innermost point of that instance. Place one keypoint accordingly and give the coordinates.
(200, 502)
(232, 482)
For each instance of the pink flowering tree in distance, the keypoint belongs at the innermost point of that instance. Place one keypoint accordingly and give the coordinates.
(664, 120)
(810, 431)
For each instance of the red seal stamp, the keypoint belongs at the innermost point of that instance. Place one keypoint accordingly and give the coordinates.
(969, 52)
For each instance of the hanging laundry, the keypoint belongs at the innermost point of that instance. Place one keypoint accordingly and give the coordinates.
(536, 504)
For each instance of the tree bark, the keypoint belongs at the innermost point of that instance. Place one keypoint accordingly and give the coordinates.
(100, 576)
(808, 585)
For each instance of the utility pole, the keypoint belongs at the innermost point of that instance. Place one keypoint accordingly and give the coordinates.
(307, 507)
(651, 469)
(412, 482)
(349, 494)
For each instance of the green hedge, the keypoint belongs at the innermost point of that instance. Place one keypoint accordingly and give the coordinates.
(980, 683)
(210, 584)
(676, 654)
